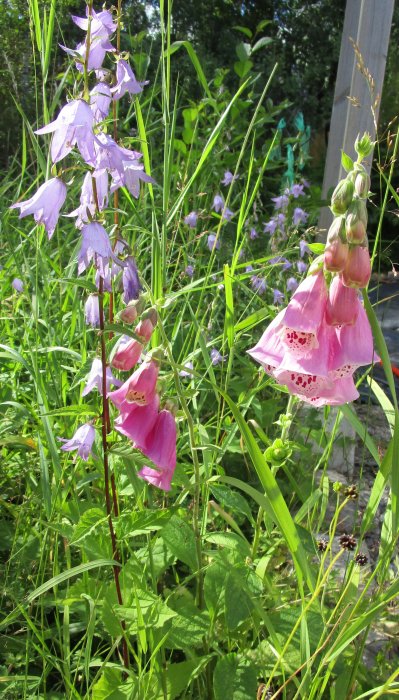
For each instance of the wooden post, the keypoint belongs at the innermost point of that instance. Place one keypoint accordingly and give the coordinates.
(368, 24)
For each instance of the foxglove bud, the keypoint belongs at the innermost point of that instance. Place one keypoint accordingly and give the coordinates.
(342, 196)
(342, 304)
(362, 184)
(145, 329)
(131, 311)
(357, 270)
(336, 251)
(364, 146)
(356, 222)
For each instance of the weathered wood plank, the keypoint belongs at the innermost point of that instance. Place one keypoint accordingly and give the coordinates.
(368, 24)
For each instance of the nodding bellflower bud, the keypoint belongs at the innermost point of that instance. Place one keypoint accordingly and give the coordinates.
(342, 196)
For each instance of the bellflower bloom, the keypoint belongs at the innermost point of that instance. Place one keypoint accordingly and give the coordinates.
(101, 24)
(126, 353)
(281, 221)
(270, 227)
(45, 204)
(133, 173)
(87, 200)
(218, 203)
(73, 126)
(97, 50)
(18, 285)
(186, 372)
(278, 297)
(292, 284)
(299, 216)
(100, 100)
(303, 248)
(280, 202)
(109, 274)
(191, 219)
(160, 443)
(258, 284)
(95, 246)
(130, 280)
(189, 271)
(227, 214)
(216, 357)
(228, 178)
(301, 267)
(126, 81)
(253, 234)
(94, 379)
(297, 190)
(140, 388)
(249, 268)
(82, 441)
(213, 243)
(281, 261)
(92, 311)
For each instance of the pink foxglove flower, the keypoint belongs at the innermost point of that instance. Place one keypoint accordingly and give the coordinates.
(357, 271)
(94, 379)
(95, 246)
(126, 81)
(126, 353)
(72, 126)
(162, 478)
(342, 304)
(160, 443)
(353, 346)
(342, 391)
(45, 204)
(82, 441)
(139, 422)
(145, 329)
(304, 314)
(140, 388)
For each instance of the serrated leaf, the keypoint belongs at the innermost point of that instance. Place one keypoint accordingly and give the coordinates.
(179, 539)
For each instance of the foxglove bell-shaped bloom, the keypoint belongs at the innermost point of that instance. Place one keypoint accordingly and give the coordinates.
(92, 311)
(94, 379)
(96, 246)
(130, 280)
(162, 478)
(353, 346)
(126, 81)
(304, 314)
(145, 329)
(139, 389)
(342, 391)
(342, 304)
(160, 443)
(82, 441)
(126, 353)
(139, 422)
(45, 204)
(100, 100)
(72, 126)
(357, 271)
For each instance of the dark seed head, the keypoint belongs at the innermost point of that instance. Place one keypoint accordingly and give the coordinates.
(322, 544)
(347, 542)
(264, 692)
(351, 492)
(361, 559)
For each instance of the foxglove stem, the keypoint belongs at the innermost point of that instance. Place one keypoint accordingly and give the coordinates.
(105, 428)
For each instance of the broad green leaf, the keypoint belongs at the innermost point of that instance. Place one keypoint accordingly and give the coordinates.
(179, 538)
(233, 679)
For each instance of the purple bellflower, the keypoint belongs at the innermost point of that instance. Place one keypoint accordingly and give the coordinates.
(301, 267)
(299, 216)
(187, 371)
(191, 219)
(292, 284)
(280, 260)
(303, 248)
(213, 242)
(100, 100)
(82, 441)
(18, 285)
(218, 203)
(270, 227)
(280, 202)
(253, 234)
(278, 297)
(130, 280)
(126, 81)
(216, 357)
(258, 284)
(45, 205)
(97, 50)
(297, 190)
(87, 201)
(94, 379)
(72, 126)
(227, 214)
(189, 271)
(96, 246)
(228, 178)
(92, 311)
(101, 25)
